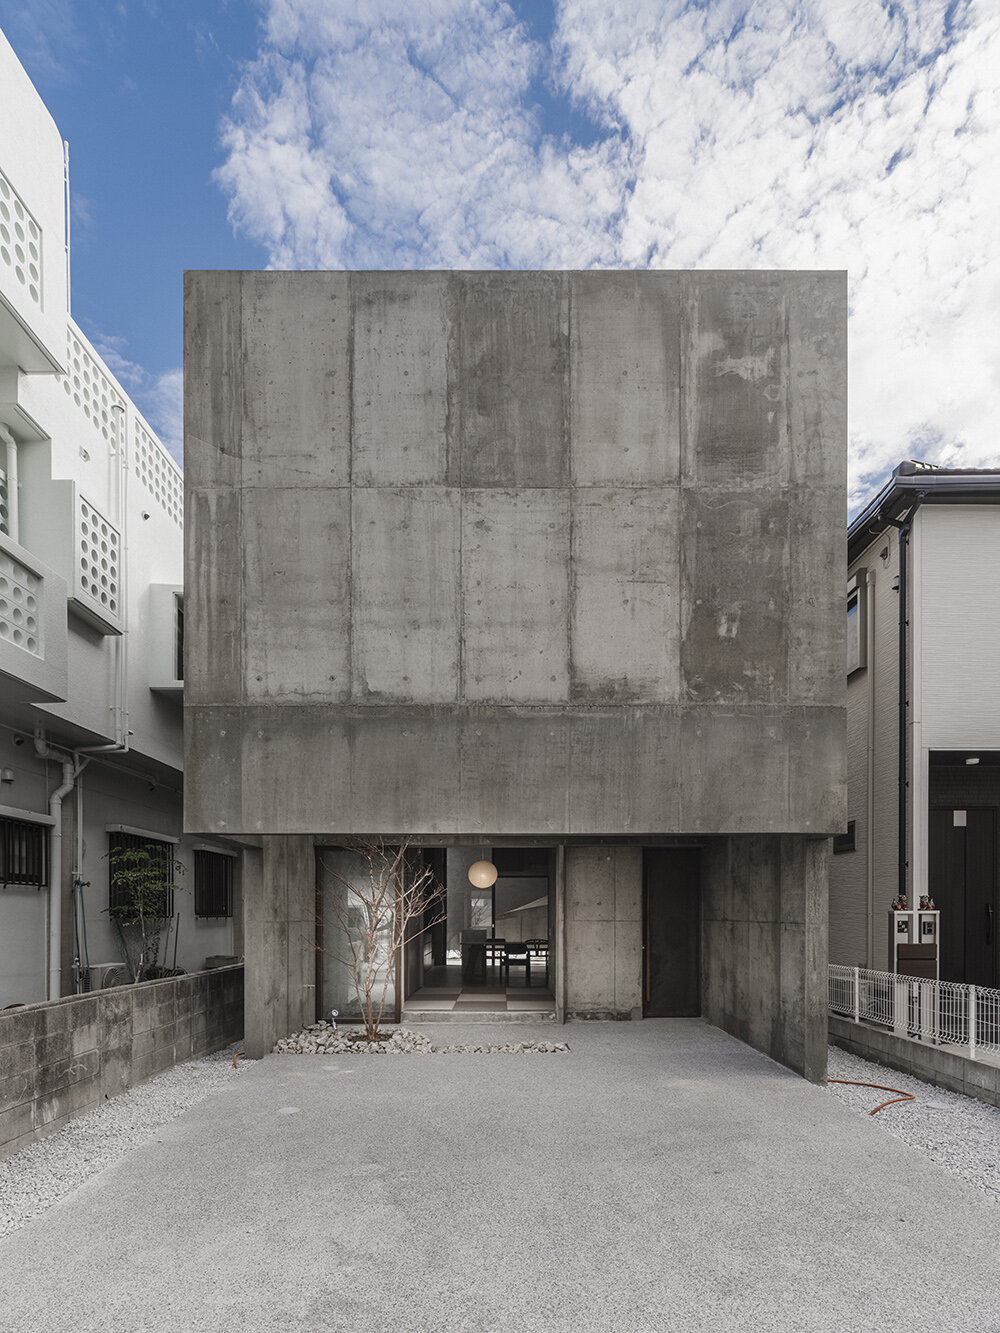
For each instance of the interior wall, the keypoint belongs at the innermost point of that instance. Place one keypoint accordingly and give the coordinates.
(764, 945)
(515, 919)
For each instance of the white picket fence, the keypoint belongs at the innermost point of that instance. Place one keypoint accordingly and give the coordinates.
(945, 1013)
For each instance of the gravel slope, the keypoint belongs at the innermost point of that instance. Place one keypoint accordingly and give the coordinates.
(45, 1172)
(957, 1132)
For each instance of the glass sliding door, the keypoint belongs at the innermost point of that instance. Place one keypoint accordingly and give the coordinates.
(353, 952)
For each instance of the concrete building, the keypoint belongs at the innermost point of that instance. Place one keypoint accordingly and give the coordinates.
(922, 557)
(545, 567)
(91, 606)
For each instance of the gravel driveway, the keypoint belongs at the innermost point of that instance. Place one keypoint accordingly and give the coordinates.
(658, 1176)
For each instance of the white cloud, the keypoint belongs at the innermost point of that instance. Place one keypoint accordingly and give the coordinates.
(851, 134)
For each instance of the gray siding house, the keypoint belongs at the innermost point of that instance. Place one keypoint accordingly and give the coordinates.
(924, 814)
(543, 568)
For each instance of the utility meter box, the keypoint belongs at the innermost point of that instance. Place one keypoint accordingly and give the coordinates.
(913, 944)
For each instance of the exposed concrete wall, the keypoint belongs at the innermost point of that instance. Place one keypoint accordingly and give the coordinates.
(62, 1058)
(603, 932)
(515, 553)
(279, 922)
(764, 945)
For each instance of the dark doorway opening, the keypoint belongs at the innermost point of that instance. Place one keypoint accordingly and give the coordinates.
(671, 933)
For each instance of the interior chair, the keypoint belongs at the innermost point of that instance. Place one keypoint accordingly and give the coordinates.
(517, 953)
(494, 956)
(538, 949)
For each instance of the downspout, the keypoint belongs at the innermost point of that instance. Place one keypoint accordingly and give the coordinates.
(904, 527)
(10, 468)
(66, 206)
(72, 767)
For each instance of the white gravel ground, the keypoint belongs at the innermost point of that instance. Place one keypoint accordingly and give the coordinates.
(322, 1039)
(45, 1172)
(958, 1132)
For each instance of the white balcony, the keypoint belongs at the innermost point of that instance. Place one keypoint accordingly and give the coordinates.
(24, 328)
(83, 546)
(32, 626)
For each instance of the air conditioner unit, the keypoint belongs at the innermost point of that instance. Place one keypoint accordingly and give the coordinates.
(104, 975)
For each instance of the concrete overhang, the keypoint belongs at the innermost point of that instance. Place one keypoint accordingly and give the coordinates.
(19, 346)
(919, 483)
(13, 414)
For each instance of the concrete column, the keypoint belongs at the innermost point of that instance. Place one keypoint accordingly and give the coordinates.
(604, 931)
(764, 945)
(279, 927)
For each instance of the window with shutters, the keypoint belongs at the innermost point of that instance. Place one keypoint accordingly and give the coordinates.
(213, 884)
(24, 853)
(162, 856)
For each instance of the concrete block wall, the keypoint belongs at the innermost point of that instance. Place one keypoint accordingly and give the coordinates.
(942, 1066)
(59, 1059)
(764, 945)
(603, 932)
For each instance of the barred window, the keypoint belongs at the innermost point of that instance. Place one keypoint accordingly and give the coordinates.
(162, 855)
(24, 853)
(213, 884)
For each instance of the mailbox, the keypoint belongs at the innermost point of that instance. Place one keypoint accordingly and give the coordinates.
(913, 944)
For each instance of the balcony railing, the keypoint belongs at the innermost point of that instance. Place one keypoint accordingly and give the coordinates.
(20, 241)
(944, 1013)
(32, 625)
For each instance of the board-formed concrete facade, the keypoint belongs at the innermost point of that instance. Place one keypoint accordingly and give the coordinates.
(541, 556)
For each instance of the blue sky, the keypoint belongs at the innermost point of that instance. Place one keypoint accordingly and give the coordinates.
(858, 134)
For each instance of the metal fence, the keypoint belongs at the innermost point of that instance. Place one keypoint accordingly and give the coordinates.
(944, 1013)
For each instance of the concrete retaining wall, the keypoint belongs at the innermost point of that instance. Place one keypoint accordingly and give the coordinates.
(943, 1066)
(764, 945)
(62, 1058)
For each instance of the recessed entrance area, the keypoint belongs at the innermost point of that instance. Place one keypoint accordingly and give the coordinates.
(488, 951)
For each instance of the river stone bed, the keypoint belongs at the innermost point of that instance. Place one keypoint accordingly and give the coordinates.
(322, 1039)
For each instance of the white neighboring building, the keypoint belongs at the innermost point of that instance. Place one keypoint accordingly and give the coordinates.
(91, 610)
(945, 524)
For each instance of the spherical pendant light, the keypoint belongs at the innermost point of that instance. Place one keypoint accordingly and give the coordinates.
(482, 874)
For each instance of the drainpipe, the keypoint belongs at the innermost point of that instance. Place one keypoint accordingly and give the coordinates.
(903, 527)
(67, 211)
(71, 770)
(11, 469)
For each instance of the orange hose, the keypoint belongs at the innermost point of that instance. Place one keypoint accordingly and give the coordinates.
(235, 1054)
(903, 1096)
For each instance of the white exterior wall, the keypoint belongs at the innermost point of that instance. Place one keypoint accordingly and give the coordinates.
(955, 628)
(31, 163)
(67, 433)
(954, 651)
(858, 910)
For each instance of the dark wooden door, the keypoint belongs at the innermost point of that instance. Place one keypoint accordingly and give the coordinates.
(671, 933)
(962, 876)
